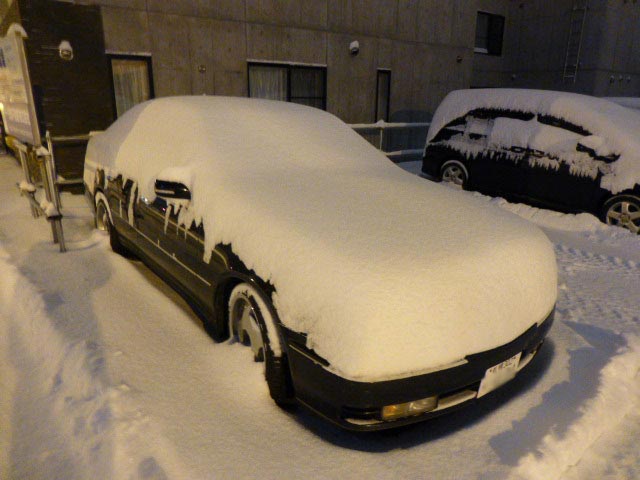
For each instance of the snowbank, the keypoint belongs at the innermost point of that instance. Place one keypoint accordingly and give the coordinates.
(57, 394)
(618, 397)
(388, 275)
(618, 125)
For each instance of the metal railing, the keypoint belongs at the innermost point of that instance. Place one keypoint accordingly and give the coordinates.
(410, 143)
(50, 206)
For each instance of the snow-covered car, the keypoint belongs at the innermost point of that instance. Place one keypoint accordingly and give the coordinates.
(566, 151)
(374, 298)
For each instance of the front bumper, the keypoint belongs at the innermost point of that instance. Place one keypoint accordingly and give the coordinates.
(357, 405)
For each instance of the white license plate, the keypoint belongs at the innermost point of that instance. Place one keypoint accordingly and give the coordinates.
(499, 374)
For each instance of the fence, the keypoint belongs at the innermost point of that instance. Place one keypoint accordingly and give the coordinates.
(396, 140)
(50, 206)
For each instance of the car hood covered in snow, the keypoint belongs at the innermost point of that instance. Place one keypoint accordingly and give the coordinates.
(619, 126)
(388, 275)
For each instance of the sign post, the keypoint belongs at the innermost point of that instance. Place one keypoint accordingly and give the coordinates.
(21, 122)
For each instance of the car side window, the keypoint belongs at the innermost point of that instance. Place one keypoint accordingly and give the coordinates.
(478, 128)
(554, 141)
(563, 124)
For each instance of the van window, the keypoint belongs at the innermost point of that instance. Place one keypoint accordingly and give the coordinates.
(498, 112)
(564, 124)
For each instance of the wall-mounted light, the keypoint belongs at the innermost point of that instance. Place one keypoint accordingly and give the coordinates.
(459, 59)
(65, 50)
(612, 79)
(202, 68)
(354, 48)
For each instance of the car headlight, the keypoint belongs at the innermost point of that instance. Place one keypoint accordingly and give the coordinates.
(400, 410)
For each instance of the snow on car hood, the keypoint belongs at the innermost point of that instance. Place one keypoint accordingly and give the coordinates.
(388, 274)
(619, 126)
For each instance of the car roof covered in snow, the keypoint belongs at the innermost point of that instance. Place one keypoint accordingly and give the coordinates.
(619, 126)
(387, 274)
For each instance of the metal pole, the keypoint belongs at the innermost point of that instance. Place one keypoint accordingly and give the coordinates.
(45, 162)
(45, 184)
(27, 178)
(54, 174)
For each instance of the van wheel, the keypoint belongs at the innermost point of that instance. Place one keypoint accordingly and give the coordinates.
(454, 172)
(623, 211)
(248, 325)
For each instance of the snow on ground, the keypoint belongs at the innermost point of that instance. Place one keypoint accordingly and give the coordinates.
(106, 373)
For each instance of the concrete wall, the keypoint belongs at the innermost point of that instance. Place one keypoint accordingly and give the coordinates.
(427, 44)
(534, 46)
(535, 43)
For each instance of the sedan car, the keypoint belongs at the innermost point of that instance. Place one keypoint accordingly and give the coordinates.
(374, 298)
(565, 151)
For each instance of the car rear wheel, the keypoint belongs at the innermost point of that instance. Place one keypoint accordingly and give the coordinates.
(248, 324)
(454, 172)
(103, 222)
(623, 211)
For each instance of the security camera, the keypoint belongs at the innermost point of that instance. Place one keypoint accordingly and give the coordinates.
(65, 50)
(354, 48)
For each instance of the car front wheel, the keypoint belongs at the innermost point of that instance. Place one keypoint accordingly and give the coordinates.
(103, 222)
(248, 320)
(454, 172)
(623, 211)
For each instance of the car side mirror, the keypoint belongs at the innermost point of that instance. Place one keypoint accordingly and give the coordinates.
(168, 189)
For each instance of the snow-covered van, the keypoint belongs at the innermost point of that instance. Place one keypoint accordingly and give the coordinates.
(570, 152)
(374, 298)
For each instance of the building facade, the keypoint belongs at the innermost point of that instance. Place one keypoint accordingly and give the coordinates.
(363, 60)
(585, 46)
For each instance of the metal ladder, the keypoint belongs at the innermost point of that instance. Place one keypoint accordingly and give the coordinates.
(574, 42)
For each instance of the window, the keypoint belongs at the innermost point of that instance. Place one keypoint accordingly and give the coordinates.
(132, 81)
(560, 123)
(383, 92)
(489, 33)
(290, 83)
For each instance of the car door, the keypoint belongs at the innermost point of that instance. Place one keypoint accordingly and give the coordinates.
(559, 174)
(179, 251)
(196, 272)
(121, 195)
(498, 165)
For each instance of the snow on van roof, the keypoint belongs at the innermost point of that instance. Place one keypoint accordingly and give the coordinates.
(387, 273)
(619, 126)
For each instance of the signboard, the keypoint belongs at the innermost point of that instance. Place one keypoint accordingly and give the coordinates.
(15, 89)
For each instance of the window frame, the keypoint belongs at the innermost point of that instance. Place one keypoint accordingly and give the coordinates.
(129, 56)
(493, 20)
(288, 67)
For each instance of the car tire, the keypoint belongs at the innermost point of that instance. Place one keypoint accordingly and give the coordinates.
(623, 211)
(454, 172)
(103, 222)
(248, 325)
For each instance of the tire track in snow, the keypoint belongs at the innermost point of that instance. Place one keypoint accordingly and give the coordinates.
(595, 289)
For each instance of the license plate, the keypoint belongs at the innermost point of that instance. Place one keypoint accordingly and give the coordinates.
(499, 374)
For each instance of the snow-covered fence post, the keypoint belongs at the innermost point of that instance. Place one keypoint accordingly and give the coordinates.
(52, 206)
(28, 185)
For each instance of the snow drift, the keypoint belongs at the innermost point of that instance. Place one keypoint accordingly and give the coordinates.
(388, 275)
